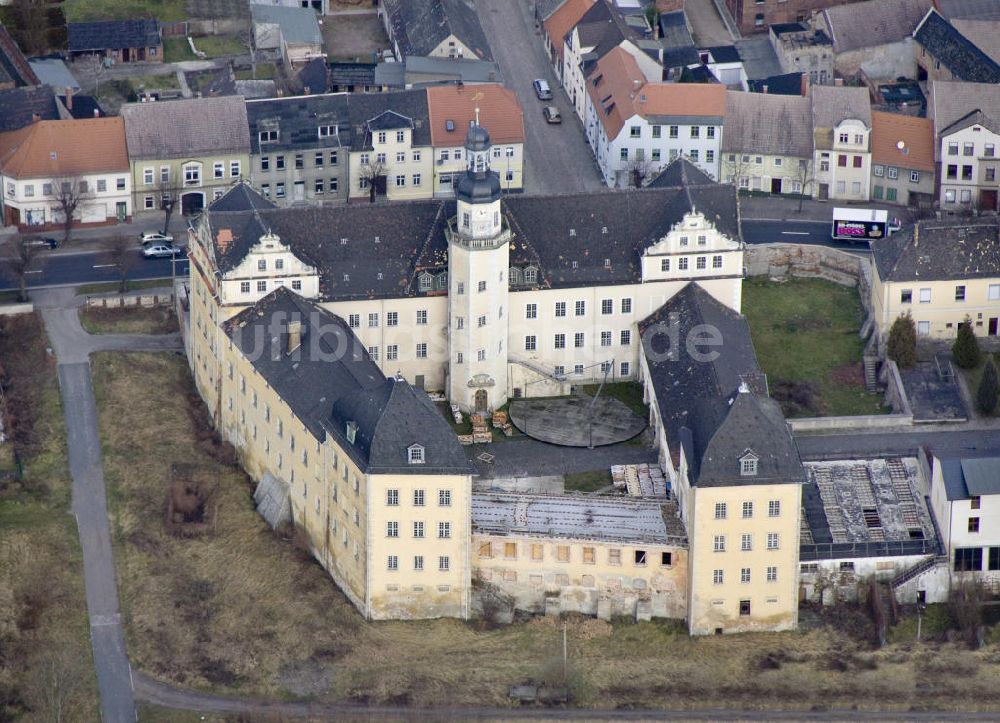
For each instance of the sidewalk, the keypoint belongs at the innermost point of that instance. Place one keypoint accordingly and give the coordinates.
(90, 239)
(787, 209)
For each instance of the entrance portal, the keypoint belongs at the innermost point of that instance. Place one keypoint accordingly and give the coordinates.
(482, 400)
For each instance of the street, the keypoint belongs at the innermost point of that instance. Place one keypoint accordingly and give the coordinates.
(557, 158)
(769, 231)
(84, 267)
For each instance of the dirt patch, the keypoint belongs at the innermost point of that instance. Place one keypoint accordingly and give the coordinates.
(852, 374)
(128, 320)
(192, 501)
(353, 37)
(797, 399)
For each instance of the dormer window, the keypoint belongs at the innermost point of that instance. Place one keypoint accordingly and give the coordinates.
(352, 431)
(530, 275)
(268, 136)
(326, 131)
(748, 464)
(426, 282)
(415, 454)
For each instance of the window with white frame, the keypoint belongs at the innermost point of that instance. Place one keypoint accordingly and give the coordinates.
(415, 454)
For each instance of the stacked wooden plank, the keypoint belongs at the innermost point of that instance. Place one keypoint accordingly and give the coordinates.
(639, 480)
(456, 414)
(618, 476)
(480, 430)
(465, 439)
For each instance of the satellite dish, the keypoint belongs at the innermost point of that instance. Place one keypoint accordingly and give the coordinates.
(900, 145)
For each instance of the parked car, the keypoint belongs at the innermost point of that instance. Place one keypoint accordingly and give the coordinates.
(551, 114)
(156, 237)
(159, 251)
(542, 89)
(46, 241)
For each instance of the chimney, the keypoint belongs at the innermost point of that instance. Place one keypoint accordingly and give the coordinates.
(805, 84)
(35, 117)
(305, 90)
(763, 89)
(69, 98)
(839, 82)
(97, 113)
(294, 335)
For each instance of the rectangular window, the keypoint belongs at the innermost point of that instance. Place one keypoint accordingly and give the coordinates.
(529, 343)
(392, 529)
(444, 563)
(925, 296)
(994, 559)
(968, 559)
(531, 311)
(537, 552)
(562, 553)
(772, 574)
(772, 540)
(747, 510)
(625, 338)
(605, 338)
(444, 498)
(682, 263)
(700, 262)
(959, 293)
(664, 264)
(422, 350)
(774, 508)
(578, 340)
(392, 498)
(717, 577)
(393, 562)
(580, 308)
(744, 575)
(418, 562)
(746, 542)
(719, 543)
(973, 524)
(607, 306)
(905, 296)
(560, 308)
(720, 510)
(560, 341)
(444, 530)
(626, 306)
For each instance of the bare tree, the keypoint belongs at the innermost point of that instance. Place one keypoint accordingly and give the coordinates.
(169, 196)
(122, 255)
(20, 264)
(58, 681)
(374, 174)
(31, 25)
(805, 178)
(736, 167)
(69, 192)
(638, 169)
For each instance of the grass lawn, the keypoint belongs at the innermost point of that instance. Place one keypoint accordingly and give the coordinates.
(43, 617)
(265, 71)
(166, 11)
(972, 377)
(216, 46)
(129, 320)
(628, 392)
(111, 287)
(588, 481)
(176, 50)
(243, 611)
(805, 333)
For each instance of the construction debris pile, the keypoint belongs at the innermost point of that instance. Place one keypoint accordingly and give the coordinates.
(639, 480)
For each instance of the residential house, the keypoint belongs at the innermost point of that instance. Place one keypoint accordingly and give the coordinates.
(740, 504)
(725, 65)
(882, 46)
(558, 25)
(903, 159)
(969, 9)
(946, 54)
(28, 104)
(15, 70)
(636, 127)
(390, 146)
(603, 28)
(48, 167)
(434, 28)
(290, 34)
(190, 150)
(966, 142)
(117, 41)
(965, 496)
(757, 16)
(418, 71)
(784, 84)
(53, 71)
(939, 272)
(452, 109)
(842, 126)
(299, 148)
(767, 145)
(801, 49)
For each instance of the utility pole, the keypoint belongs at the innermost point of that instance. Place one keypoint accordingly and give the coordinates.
(590, 410)
(565, 659)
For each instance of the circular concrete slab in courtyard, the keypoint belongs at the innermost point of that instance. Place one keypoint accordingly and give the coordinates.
(572, 422)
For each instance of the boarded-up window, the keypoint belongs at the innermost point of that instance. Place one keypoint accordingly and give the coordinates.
(614, 583)
(639, 584)
(562, 553)
(587, 581)
(485, 551)
(510, 550)
(588, 555)
(536, 580)
(509, 576)
(537, 552)
(614, 557)
(485, 574)
(562, 580)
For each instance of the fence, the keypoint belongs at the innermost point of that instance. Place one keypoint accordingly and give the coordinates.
(174, 30)
(117, 301)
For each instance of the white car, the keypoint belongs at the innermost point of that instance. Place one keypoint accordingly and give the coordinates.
(155, 237)
(159, 251)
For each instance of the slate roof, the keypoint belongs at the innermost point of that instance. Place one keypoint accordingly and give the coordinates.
(680, 172)
(784, 84)
(357, 74)
(970, 476)
(567, 237)
(950, 104)
(954, 51)
(778, 125)
(20, 106)
(332, 381)
(699, 402)
(139, 33)
(297, 120)
(724, 53)
(14, 67)
(885, 21)
(298, 25)
(970, 9)
(420, 26)
(831, 105)
(419, 70)
(674, 31)
(940, 251)
(983, 34)
(84, 106)
(53, 71)
(186, 128)
(240, 197)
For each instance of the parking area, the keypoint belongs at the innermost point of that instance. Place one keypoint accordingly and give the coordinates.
(557, 157)
(353, 37)
(933, 392)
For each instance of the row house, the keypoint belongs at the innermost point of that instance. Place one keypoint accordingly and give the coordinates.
(966, 141)
(902, 160)
(635, 127)
(188, 151)
(842, 125)
(433, 28)
(945, 53)
(49, 167)
(557, 25)
(767, 145)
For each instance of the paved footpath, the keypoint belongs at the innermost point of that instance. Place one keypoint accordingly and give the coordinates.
(73, 346)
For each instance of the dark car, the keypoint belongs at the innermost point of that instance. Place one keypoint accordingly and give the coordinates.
(46, 241)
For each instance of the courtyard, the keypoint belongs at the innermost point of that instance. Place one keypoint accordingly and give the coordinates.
(805, 334)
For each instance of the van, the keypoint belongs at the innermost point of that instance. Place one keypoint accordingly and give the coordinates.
(542, 89)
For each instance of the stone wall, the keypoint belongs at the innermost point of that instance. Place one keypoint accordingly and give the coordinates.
(803, 260)
(15, 309)
(128, 300)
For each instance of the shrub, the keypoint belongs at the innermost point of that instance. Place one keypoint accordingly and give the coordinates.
(902, 347)
(965, 351)
(986, 395)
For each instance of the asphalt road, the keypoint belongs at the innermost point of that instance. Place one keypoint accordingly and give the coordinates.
(84, 267)
(886, 443)
(557, 158)
(769, 231)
